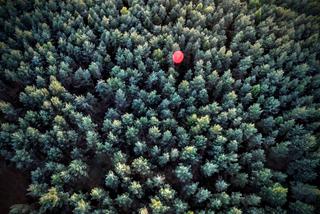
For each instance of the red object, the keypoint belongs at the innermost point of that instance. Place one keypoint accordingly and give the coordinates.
(177, 57)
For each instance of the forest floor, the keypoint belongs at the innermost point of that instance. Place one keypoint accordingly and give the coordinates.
(13, 186)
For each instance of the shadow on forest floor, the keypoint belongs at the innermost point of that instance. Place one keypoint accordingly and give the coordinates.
(13, 187)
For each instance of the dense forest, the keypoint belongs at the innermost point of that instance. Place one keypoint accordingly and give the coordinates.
(98, 119)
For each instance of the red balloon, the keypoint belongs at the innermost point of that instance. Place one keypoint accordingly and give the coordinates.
(177, 57)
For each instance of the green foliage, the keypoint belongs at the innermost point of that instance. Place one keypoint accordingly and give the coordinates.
(209, 168)
(202, 195)
(20, 208)
(124, 200)
(300, 207)
(50, 200)
(275, 195)
(111, 180)
(157, 206)
(306, 192)
(141, 166)
(183, 173)
(100, 120)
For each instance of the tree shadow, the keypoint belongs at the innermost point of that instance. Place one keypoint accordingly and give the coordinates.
(13, 186)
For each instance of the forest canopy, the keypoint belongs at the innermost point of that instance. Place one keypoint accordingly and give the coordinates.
(95, 112)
